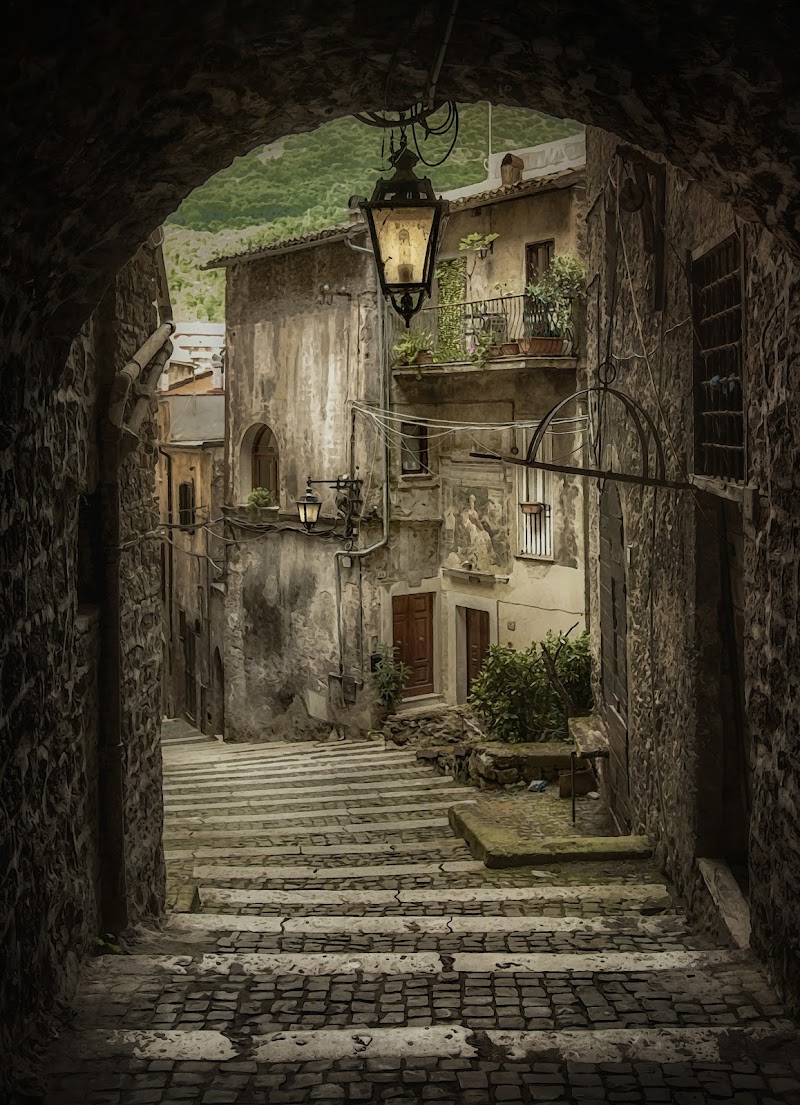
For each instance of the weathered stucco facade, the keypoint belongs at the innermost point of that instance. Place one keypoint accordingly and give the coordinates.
(710, 572)
(311, 357)
(191, 474)
(82, 840)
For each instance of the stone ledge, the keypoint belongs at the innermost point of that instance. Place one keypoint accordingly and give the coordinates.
(498, 844)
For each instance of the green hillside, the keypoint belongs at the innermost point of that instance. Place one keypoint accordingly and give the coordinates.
(303, 182)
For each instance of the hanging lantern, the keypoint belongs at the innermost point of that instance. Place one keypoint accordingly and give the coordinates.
(405, 219)
(308, 508)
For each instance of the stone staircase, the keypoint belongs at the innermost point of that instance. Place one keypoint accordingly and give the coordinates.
(347, 948)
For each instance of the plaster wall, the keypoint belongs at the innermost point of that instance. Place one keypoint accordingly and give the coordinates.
(670, 730)
(297, 365)
(553, 215)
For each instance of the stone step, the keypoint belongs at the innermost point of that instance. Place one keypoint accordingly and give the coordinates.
(445, 1063)
(246, 807)
(351, 828)
(295, 811)
(248, 793)
(608, 895)
(225, 769)
(291, 873)
(355, 774)
(236, 855)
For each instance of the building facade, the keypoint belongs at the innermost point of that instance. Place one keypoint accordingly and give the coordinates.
(190, 486)
(694, 584)
(444, 559)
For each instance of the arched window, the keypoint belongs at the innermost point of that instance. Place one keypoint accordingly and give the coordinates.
(264, 460)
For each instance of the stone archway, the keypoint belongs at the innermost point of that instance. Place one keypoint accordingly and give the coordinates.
(120, 112)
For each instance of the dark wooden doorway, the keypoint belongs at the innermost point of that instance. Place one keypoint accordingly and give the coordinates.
(614, 649)
(477, 643)
(190, 675)
(413, 640)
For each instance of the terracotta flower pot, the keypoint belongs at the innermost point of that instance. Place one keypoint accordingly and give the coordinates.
(510, 348)
(424, 357)
(543, 347)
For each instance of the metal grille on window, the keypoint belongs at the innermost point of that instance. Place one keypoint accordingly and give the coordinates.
(535, 506)
(186, 505)
(414, 448)
(719, 448)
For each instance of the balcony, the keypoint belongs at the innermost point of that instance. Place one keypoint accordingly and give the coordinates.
(481, 333)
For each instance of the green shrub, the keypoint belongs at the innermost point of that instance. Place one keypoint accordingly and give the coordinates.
(260, 497)
(515, 697)
(390, 675)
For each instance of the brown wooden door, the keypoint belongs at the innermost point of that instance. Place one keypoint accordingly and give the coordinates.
(413, 640)
(477, 643)
(614, 648)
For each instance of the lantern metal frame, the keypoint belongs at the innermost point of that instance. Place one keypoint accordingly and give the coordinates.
(404, 190)
(348, 501)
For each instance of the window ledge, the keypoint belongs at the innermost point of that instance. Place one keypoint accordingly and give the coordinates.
(744, 493)
(417, 479)
(539, 559)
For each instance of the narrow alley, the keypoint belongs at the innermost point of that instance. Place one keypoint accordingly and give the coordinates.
(344, 946)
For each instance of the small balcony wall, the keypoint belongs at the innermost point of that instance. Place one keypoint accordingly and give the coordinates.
(480, 332)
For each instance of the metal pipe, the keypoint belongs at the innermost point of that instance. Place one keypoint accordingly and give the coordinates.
(125, 378)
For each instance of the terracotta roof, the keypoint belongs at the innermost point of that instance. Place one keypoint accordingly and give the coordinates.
(563, 179)
(288, 245)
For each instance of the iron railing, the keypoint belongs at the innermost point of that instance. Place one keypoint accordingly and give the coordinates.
(536, 532)
(480, 330)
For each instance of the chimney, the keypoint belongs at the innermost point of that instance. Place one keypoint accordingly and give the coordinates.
(511, 169)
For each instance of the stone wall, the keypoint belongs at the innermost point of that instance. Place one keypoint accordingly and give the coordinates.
(674, 673)
(50, 700)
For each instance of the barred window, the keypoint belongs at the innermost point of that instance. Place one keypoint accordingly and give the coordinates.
(535, 523)
(719, 447)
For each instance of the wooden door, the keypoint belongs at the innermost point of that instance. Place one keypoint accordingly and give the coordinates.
(190, 676)
(614, 648)
(413, 640)
(477, 643)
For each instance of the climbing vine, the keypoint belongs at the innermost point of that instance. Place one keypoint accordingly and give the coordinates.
(451, 281)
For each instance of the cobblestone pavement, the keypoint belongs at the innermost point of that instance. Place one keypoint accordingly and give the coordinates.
(348, 949)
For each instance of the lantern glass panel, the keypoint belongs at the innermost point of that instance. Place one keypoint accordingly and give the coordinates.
(308, 511)
(403, 235)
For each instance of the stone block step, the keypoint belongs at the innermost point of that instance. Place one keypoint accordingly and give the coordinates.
(300, 792)
(350, 828)
(224, 784)
(291, 873)
(226, 770)
(498, 841)
(234, 854)
(252, 807)
(609, 895)
(586, 1048)
(315, 814)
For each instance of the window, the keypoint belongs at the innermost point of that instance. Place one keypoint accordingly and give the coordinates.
(264, 460)
(538, 256)
(186, 516)
(718, 394)
(414, 449)
(535, 528)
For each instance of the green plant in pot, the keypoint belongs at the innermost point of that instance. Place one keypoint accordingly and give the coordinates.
(414, 347)
(390, 675)
(261, 498)
(485, 345)
(549, 301)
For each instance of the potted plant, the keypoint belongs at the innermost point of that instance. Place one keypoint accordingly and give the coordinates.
(548, 306)
(414, 348)
(389, 675)
(510, 349)
(531, 508)
(262, 502)
(485, 345)
(478, 243)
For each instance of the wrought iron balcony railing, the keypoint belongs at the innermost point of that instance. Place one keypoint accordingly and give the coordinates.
(482, 330)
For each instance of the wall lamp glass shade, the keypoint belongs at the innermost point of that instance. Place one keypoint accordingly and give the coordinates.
(308, 508)
(405, 221)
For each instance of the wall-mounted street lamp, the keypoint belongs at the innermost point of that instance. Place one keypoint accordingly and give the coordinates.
(405, 220)
(348, 502)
